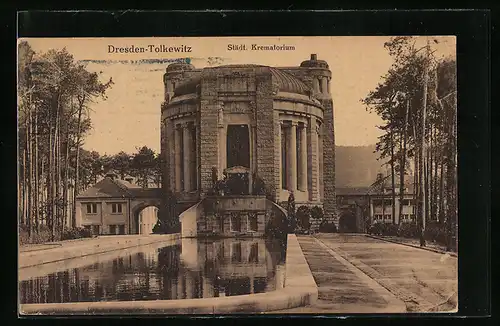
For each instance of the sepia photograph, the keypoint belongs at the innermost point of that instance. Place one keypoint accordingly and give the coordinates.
(297, 175)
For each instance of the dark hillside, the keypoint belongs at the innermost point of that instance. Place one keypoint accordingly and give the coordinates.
(356, 166)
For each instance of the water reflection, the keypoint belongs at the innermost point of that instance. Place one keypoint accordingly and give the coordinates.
(193, 268)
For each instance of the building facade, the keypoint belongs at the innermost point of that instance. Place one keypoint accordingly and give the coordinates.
(364, 206)
(114, 207)
(353, 208)
(274, 124)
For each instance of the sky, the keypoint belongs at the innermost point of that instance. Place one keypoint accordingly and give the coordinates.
(130, 117)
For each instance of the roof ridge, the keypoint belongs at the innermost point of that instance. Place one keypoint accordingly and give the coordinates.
(121, 186)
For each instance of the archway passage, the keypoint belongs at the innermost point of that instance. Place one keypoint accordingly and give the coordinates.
(347, 222)
(146, 219)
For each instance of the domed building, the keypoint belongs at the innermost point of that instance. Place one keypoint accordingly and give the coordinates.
(270, 126)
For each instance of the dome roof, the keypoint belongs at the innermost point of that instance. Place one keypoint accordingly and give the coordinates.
(289, 83)
(284, 81)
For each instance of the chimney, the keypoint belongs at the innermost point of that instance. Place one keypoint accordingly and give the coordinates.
(314, 57)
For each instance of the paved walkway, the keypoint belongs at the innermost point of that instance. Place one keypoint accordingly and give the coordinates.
(424, 280)
(342, 288)
(414, 242)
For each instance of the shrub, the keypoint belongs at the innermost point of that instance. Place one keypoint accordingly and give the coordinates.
(292, 221)
(327, 227)
(300, 230)
(259, 187)
(317, 213)
(303, 216)
(408, 230)
(75, 233)
(85, 233)
(375, 229)
(166, 228)
(384, 229)
(42, 236)
(391, 230)
(435, 232)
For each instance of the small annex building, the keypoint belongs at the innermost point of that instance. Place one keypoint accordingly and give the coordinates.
(115, 206)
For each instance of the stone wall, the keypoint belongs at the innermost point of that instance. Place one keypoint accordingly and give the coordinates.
(329, 205)
(266, 130)
(208, 129)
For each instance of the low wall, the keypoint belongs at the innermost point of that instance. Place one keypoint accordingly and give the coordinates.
(77, 249)
(299, 290)
(62, 265)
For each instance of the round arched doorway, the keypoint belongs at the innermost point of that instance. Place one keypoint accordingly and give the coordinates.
(347, 222)
(146, 219)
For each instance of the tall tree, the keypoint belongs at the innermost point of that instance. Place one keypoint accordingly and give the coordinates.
(144, 165)
(122, 164)
(48, 86)
(412, 100)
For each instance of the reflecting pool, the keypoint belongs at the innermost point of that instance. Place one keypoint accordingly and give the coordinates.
(188, 269)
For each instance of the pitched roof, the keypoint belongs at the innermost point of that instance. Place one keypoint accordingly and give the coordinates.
(116, 188)
(376, 187)
(107, 188)
(357, 191)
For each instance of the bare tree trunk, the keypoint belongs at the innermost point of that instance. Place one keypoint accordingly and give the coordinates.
(382, 188)
(66, 178)
(53, 173)
(393, 182)
(77, 164)
(23, 190)
(435, 179)
(428, 170)
(403, 163)
(37, 185)
(43, 192)
(430, 161)
(423, 151)
(451, 211)
(58, 176)
(441, 191)
(30, 173)
(50, 176)
(416, 178)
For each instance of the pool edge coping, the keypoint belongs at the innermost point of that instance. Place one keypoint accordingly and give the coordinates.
(299, 289)
(31, 258)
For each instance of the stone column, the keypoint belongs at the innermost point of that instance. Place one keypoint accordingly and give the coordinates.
(316, 85)
(207, 288)
(189, 287)
(196, 157)
(178, 164)
(281, 156)
(303, 158)
(321, 185)
(318, 155)
(371, 211)
(324, 85)
(187, 156)
(292, 157)
(221, 154)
